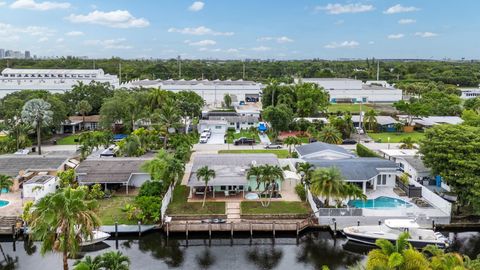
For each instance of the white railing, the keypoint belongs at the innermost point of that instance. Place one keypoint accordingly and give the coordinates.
(312, 203)
(166, 201)
(434, 199)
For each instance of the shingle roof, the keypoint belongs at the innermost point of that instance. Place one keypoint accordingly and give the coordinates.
(39, 179)
(417, 163)
(109, 170)
(381, 119)
(356, 168)
(230, 169)
(11, 165)
(311, 148)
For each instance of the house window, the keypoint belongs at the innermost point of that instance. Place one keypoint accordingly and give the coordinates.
(381, 180)
(218, 127)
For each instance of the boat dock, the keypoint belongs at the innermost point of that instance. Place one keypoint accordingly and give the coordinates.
(127, 229)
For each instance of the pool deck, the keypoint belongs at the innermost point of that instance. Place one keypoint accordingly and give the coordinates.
(14, 208)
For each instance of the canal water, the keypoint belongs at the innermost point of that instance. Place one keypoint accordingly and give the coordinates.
(153, 251)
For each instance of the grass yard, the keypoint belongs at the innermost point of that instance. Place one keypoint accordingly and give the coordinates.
(246, 134)
(111, 210)
(280, 153)
(348, 107)
(275, 208)
(180, 206)
(396, 137)
(69, 140)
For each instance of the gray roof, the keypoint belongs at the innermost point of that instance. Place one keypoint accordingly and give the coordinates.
(230, 169)
(381, 119)
(11, 165)
(315, 147)
(357, 168)
(417, 163)
(109, 170)
(235, 119)
(40, 179)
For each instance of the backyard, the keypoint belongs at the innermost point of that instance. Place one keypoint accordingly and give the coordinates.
(348, 107)
(69, 140)
(280, 153)
(110, 210)
(396, 137)
(301, 208)
(180, 206)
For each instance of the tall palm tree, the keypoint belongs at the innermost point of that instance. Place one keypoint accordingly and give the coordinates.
(227, 99)
(83, 108)
(205, 174)
(370, 119)
(307, 169)
(61, 220)
(164, 167)
(257, 172)
(37, 113)
(19, 130)
(5, 182)
(168, 117)
(230, 136)
(156, 98)
(351, 191)
(269, 176)
(329, 134)
(407, 143)
(115, 260)
(291, 140)
(328, 183)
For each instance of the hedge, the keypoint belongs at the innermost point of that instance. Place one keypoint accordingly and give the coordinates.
(363, 151)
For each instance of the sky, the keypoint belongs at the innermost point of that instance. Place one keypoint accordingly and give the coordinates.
(243, 29)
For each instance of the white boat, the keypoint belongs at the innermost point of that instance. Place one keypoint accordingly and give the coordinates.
(391, 229)
(98, 236)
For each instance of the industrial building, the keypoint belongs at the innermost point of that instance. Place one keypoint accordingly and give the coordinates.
(343, 90)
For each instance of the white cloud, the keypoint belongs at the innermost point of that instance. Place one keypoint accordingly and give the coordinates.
(43, 39)
(406, 21)
(74, 33)
(199, 31)
(9, 30)
(217, 50)
(31, 4)
(282, 39)
(206, 42)
(400, 9)
(261, 49)
(3, 3)
(346, 44)
(426, 34)
(395, 36)
(196, 6)
(115, 19)
(347, 8)
(118, 43)
(60, 40)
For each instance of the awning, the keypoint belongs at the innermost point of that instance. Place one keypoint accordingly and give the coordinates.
(291, 175)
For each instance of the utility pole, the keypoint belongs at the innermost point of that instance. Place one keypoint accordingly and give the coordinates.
(378, 70)
(243, 76)
(93, 63)
(179, 67)
(120, 72)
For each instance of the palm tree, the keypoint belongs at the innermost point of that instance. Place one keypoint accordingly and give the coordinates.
(168, 118)
(331, 135)
(370, 119)
(230, 136)
(256, 172)
(164, 167)
(348, 124)
(227, 99)
(19, 131)
(156, 98)
(89, 263)
(269, 176)
(407, 143)
(83, 108)
(5, 182)
(61, 220)
(351, 191)
(37, 113)
(327, 182)
(205, 174)
(307, 169)
(115, 260)
(292, 140)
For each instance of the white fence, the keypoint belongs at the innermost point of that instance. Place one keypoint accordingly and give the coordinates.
(434, 199)
(166, 201)
(313, 205)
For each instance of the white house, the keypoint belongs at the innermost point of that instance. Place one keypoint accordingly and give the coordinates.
(216, 126)
(470, 93)
(40, 186)
(322, 151)
(350, 90)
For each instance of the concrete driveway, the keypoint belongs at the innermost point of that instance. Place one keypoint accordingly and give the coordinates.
(217, 138)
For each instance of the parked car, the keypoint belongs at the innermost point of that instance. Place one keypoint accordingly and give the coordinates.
(273, 146)
(312, 140)
(359, 130)
(349, 141)
(243, 141)
(203, 138)
(207, 132)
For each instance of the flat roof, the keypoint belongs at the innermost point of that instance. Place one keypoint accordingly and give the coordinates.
(230, 169)
(51, 71)
(11, 165)
(109, 170)
(328, 79)
(381, 119)
(40, 179)
(417, 163)
(399, 152)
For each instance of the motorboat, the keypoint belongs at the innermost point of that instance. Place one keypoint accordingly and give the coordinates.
(97, 237)
(391, 229)
(214, 220)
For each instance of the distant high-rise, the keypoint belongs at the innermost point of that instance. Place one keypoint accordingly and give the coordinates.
(2, 53)
(8, 53)
(27, 55)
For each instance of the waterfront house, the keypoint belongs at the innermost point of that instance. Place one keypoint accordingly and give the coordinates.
(40, 186)
(321, 150)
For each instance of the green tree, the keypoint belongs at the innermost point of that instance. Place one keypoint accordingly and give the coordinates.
(19, 131)
(330, 134)
(164, 167)
(267, 175)
(306, 170)
(83, 108)
(370, 119)
(407, 143)
(5, 182)
(89, 263)
(292, 140)
(471, 118)
(205, 174)
(115, 260)
(95, 93)
(328, 183)
(190, 105)
(227, 99)
(67, 179)
(61, 220)
(413, 109)
(37, 113)
(230, 136)
(310, 99)
(279, 117)
(168, 118)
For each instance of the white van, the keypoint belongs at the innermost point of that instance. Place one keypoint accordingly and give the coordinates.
(203, 138)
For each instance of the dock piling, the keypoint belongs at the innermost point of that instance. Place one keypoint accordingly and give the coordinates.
(231, 229)
(116, 229)
(358, 222)
(298, 229)
(251, 230)
(139, 228)
(186, 230)
(168, 229)
(210, 230)
(273, 229)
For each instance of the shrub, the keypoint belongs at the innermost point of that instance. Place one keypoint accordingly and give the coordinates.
(151, 188)
(300, 190)
(363, 151)
(149, 207)
(96, 192)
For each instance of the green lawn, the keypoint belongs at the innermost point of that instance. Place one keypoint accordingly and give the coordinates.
(111, 210)
(280, 153)
(275, 208)
(396, 137)
(180, 206)
(69, 140)
(246, 134)
(348, 107)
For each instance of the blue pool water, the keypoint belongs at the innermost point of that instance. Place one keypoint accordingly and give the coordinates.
(380, 202)
(4, 190)
(3, 203)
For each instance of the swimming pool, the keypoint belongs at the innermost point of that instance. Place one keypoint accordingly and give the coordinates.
(3, 203)
(379, 202)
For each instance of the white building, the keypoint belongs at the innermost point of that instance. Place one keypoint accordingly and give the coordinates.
(53, 80)
(349, 90)
(470, 93)
(39, 186)
(211, 91)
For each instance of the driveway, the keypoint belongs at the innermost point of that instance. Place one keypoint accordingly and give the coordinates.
(217, 138)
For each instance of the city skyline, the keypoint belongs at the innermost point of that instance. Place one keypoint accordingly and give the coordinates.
(241, 30)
